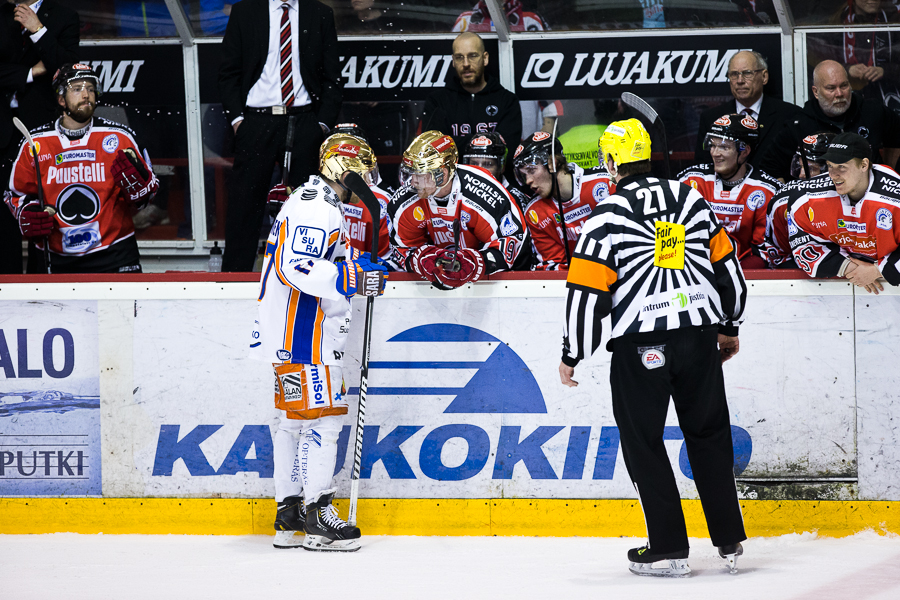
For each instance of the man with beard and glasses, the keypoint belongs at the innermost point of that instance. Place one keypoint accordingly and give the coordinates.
(838, 109)
(93, 178)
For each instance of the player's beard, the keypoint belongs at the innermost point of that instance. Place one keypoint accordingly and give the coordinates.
(81, 113)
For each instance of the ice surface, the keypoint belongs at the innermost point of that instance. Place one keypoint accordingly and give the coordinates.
(793, 567)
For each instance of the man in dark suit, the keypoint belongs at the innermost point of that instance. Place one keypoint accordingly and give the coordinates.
(279, 60)
(748, 73)
(36, 38)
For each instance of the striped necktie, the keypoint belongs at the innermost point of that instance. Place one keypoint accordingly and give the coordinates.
(287, 83)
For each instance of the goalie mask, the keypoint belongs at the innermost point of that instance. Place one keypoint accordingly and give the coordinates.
(342, 152)
(488, 151)
(742, 130)
(70, 73)
(625, 142)
(425, 160)
(536, 151)
(813, 148)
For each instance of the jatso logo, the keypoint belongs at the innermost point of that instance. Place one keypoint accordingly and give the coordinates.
(501, 385)
(626, 68)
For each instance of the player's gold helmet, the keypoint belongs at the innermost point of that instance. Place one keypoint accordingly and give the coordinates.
(625, 141)
(427, 154)
(343, 152)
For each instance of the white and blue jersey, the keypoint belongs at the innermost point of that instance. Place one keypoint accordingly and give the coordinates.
(303, 319)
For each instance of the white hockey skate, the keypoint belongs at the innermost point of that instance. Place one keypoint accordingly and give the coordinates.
(285, 540)
(326, 532)
(645, 562)
(730, 554)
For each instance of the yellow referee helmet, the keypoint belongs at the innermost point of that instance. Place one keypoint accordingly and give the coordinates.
(624, 141)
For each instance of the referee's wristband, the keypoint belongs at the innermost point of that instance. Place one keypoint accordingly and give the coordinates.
(569, 361)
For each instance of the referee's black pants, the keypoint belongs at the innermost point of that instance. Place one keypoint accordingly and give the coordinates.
(692, 376)
(258, 146)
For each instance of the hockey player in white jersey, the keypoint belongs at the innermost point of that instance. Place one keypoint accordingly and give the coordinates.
(309, 275)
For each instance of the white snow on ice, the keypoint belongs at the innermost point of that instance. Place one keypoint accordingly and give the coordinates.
(792, 567)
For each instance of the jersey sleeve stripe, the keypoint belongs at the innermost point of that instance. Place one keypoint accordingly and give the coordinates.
(590, 274)
(291, 315)
(317, 336)
(279, 254)
(720, 246)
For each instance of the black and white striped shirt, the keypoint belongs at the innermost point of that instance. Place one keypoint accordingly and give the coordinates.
(654, 256)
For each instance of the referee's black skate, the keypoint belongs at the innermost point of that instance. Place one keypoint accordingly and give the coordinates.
(289, 518)
(671, 564)
(730, 553)
(327, 532)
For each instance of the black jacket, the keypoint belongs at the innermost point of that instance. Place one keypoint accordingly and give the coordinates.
(246, 44)
(459, 114)
(58, 46)
(869, 118)
(773, 113)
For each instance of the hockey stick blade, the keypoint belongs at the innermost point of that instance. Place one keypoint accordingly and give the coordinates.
(24, 130)
(37, 170)
(640, 105)
(358, 186)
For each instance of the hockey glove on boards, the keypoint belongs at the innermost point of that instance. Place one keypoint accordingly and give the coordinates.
(134, 176)
(361, 276)
(34, 222)
(423, 262)
(467, 266)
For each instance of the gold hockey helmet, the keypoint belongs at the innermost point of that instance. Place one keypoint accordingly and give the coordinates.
(343, 152)
(625, 141)
(427, 154)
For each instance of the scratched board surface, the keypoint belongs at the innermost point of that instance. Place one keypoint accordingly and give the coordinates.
(49, 399)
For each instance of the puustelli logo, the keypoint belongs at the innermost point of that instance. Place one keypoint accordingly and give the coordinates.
(680, 299)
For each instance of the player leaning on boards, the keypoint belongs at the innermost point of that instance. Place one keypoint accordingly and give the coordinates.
(93, 179)
(654, 256)
(309, 275)
(847, 224)
(453, 224)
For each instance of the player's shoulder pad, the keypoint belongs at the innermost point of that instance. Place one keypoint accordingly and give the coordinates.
(886, 184)
(765, 179)
(696, 171)
(479, 187)
(402, 198)
(45, 128)
(101, 122)
(596, 172)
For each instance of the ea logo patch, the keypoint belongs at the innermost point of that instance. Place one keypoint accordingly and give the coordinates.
(111, 143)
(533, 216)
(283, 355)
(418, 213)
(693, 184)
(600, 191)
(811, 214)
(884, 219)
(37, 146)
(492, 110)
(756, 200)
(653, 358)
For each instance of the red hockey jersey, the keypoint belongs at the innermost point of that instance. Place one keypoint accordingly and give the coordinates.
(825, 228)
(91, 212)
(542, 216)
(490, 220)
(742, 209)
(358, 223)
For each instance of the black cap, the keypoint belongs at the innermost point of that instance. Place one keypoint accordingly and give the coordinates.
(847, 146)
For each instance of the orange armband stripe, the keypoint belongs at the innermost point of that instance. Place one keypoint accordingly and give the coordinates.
(591, 274)
(720, 246)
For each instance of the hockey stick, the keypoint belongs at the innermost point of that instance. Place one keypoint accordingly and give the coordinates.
(288, 144)
(554, 191)
(640, 105)
(359, 187)
(37, 170)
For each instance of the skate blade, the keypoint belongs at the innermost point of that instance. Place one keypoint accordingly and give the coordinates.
(318, 543)
(732, 563)
(672, 568)
(285, 540)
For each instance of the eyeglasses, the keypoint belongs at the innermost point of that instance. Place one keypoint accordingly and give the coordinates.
(470, 57)
(736, 75)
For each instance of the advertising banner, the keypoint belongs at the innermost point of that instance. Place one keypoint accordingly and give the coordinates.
(652, 66)
(49, 399)
(138, 75)
(464, 401)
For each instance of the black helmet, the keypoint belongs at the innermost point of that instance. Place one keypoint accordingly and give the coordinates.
(742, 129)
(490, 144)
(813, 147)
(536, 150)
(350, 129)
(74, 71)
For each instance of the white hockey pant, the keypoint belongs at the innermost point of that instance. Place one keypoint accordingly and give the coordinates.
(305, 454)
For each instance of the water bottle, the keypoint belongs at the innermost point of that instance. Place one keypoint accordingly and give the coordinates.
(215, 258)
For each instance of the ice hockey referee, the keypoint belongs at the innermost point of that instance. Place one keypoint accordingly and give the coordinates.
(654, 256)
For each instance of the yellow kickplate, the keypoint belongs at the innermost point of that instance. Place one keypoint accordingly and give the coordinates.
(540, 517)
